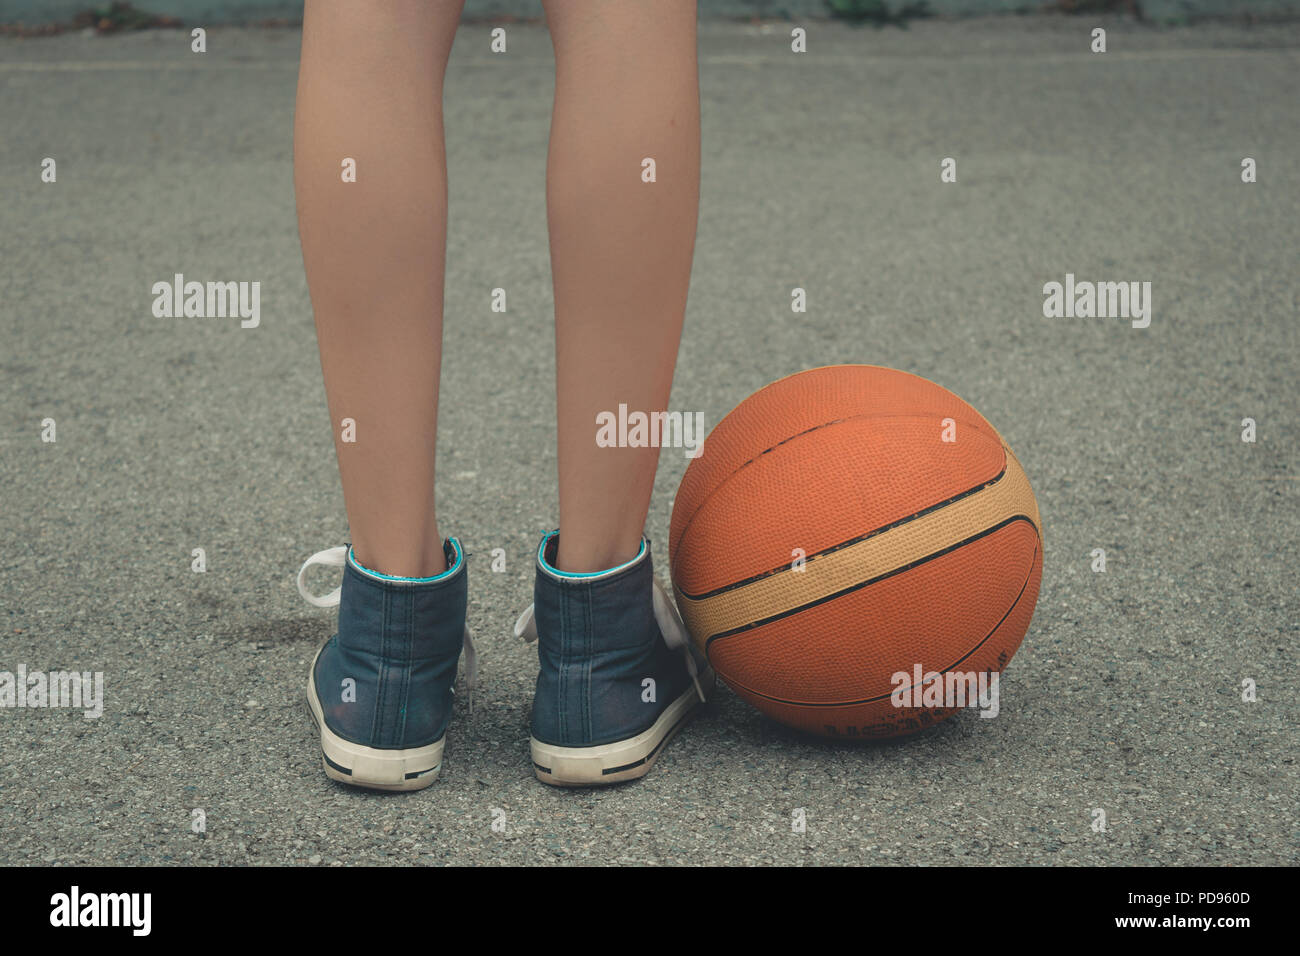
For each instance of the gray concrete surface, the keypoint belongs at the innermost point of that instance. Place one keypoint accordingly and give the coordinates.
(820, 171)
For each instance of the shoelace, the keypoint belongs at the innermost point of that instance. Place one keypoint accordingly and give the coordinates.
(666, 616)
(337, 558)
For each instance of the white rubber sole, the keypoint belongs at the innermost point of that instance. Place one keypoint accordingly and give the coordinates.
(623, 759)
(369, 767)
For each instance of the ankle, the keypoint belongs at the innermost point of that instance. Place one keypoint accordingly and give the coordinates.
(595, 557)
(421, 568)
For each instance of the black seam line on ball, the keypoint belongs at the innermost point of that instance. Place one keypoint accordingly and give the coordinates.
(850, 542)
(945, 670)
(888, 574)
(872, 700)
(861, 416)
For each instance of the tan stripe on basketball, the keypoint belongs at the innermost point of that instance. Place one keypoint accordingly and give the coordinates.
(828, 574)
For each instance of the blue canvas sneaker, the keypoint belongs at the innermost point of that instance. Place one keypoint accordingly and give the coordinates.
(381, 689)
(619, 676)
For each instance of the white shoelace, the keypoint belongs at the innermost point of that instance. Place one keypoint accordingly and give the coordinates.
(337, 558)
(666, 616)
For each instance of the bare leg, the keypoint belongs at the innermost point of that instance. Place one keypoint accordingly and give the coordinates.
(626, 88)
(370, 89)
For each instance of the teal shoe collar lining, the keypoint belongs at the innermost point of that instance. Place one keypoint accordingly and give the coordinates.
(582, 575)
(397, 579)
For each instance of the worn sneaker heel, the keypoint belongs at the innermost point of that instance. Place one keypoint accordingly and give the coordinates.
(618, 677)
(381, 689)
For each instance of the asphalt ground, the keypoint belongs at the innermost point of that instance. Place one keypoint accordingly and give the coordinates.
(820, 171)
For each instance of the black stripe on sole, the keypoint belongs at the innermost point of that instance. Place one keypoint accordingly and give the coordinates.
(668, 734)
(340, 769)
(650, 756)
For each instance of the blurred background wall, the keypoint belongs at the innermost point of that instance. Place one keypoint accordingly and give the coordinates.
(203, 12)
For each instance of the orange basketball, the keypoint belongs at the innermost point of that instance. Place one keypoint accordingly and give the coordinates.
(847, 525)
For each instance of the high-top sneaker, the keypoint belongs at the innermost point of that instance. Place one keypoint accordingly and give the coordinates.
(618, 674)
(381, 689)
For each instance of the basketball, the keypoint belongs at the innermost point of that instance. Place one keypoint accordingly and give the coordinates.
(852, 542)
